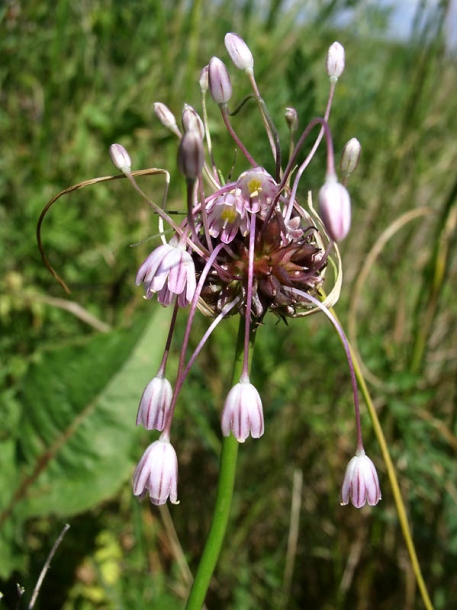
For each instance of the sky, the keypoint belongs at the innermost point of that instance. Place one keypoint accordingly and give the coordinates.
(403, 15)
(401, 19)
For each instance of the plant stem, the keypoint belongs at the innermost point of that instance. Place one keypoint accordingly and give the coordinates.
(225, 486)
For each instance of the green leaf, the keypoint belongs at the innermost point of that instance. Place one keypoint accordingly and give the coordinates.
(78, 424)
(11, 558)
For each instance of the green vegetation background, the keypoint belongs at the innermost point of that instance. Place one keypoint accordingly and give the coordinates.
(78, 76)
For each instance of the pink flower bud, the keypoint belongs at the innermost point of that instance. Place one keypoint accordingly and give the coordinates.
(239, 52)
(335, 208)
(361, 483)
(203, 80)
(192, 121)
(191, 155)
(335, 61)
(350, 157)
(243, 413)
(291, 117)
(157, 473)
(166, 117)
(155, 404)
(120, 158)
(220, 86)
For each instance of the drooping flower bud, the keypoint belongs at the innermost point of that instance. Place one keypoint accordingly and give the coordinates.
(243, 413)
(191, 155)
(239, 52)
(192, 121)
(166, 117)
(335, 61)
(361, 483)
(157, 473)
(335, 208)
(291, 117)
(220, 86)
(350, 157)
(120, 158)
(155, 404)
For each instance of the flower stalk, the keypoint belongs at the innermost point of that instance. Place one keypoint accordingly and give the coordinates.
(225, 487)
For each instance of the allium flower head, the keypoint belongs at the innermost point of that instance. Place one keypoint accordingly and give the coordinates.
(157, 473)
(246, 245)
(361, 484)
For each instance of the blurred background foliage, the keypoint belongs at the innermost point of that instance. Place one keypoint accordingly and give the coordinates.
(78, 76)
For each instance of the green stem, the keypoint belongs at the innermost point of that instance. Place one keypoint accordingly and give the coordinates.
(226, 484)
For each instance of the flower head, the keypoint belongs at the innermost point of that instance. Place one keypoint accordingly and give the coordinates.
(361, 483)
(246, 245)
(157, 473)
(243, 413)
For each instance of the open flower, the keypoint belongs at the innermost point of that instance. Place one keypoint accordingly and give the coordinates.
(157, 473)
(361, 483)
(169, 268)
(227, 215)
